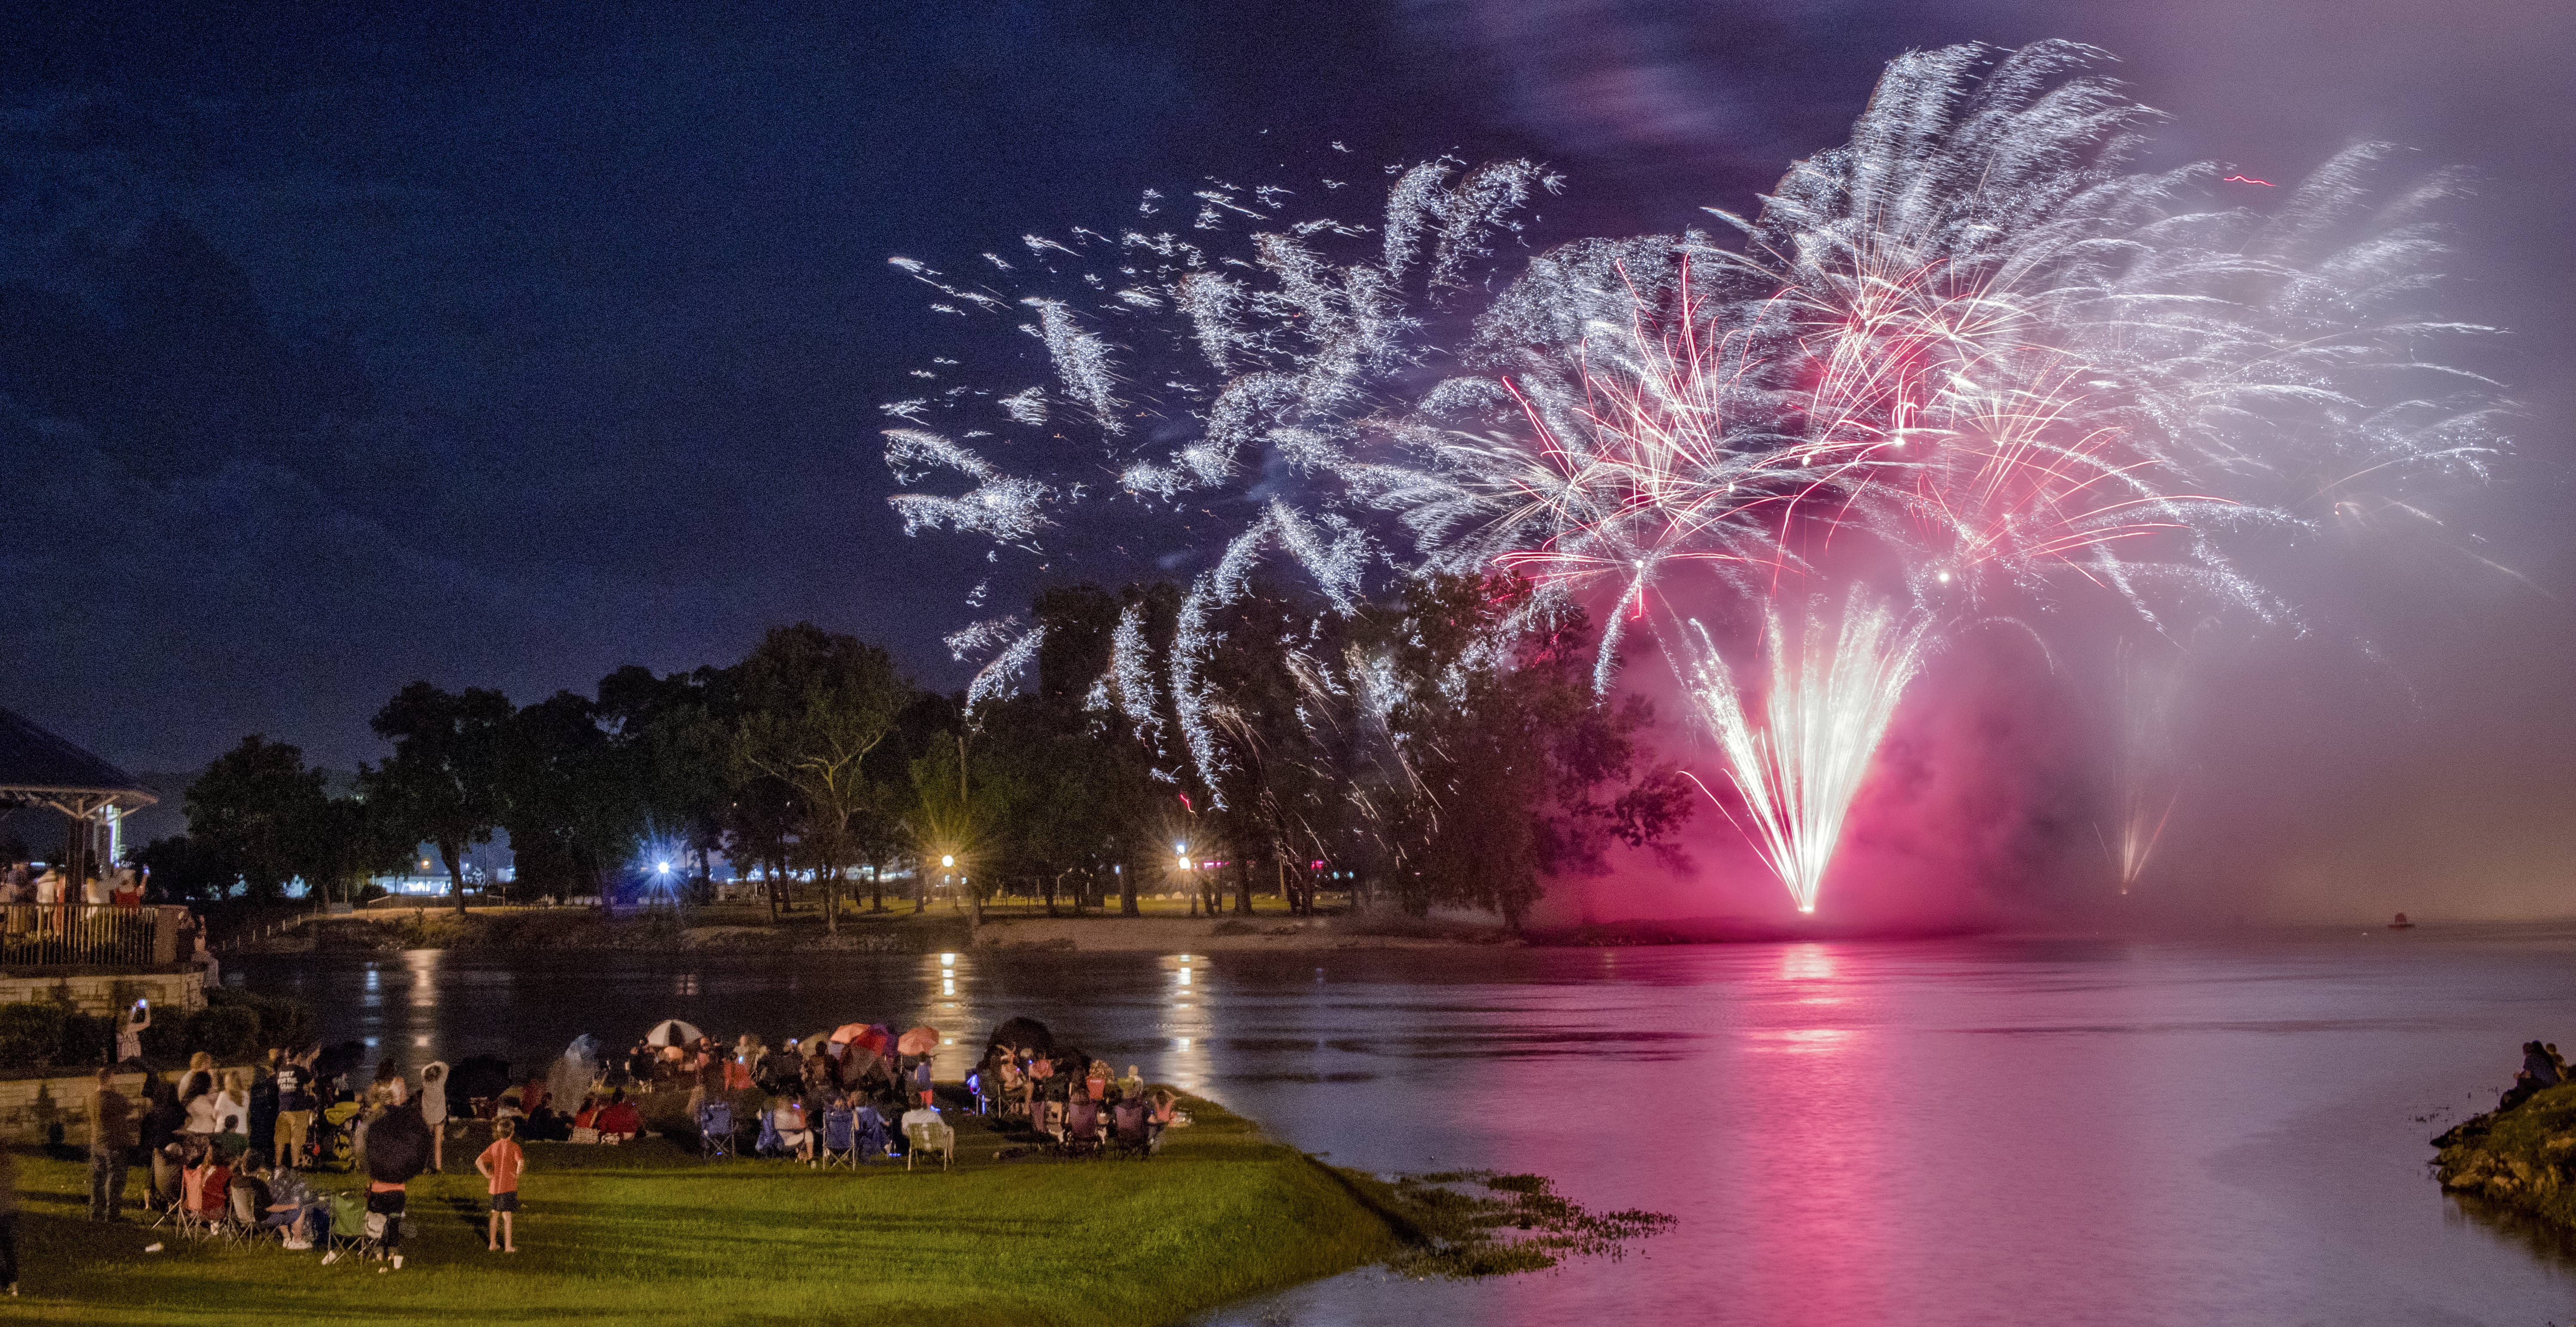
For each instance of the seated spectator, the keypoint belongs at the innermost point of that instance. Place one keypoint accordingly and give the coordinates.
(1082, 1117)
(588, 1116)
(214, 1187)
(1132, 1085)
(1097, 1081)
(1128, 1117)
(787, 1116)
(921, 1114)
(294, 1210)
(2540, 1064)
(249, 1192)
(871, 1131)
(618, 1120)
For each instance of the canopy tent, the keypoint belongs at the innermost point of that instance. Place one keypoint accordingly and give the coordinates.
(672, 1032)
(39, 769)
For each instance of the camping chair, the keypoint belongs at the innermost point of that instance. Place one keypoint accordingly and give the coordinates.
(241, 1220)
(929, 1137)
(715, 1130)
(347, 1233)
(770, 1144)
(1131, 1131)
(840, 1138)
(874, 1144)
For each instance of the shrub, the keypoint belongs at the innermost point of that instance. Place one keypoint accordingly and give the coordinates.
(31, 1034)
(225, 1031)
(87, 1039)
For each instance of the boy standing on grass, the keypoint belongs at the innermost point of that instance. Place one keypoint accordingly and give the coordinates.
(500, 1164)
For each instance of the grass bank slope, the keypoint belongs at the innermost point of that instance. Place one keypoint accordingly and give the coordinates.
(648, 1234)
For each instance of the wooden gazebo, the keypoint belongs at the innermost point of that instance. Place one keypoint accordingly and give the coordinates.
(38, 768)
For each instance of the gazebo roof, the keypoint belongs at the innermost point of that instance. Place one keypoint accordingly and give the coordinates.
(37, 766)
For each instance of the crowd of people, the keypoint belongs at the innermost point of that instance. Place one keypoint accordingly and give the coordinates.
(2542, 1066)
(228, 1149)
(121, 887)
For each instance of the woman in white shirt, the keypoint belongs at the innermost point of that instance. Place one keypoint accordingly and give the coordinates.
(232, 1112)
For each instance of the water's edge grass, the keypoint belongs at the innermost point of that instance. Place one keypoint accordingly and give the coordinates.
(648, 1233)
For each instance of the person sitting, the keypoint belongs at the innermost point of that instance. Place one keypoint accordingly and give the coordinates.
(292, 1208)
(588, 1116)
(1132, 1085)
(870, 1131)
(1162, 1111)
(248, 1191)
(214, 1187)
(925, 1113)
(1097, 1081)
(619, 1121)
(1128, 1118)
(2540, 1064)
(787, 1116)
(1082, 1118)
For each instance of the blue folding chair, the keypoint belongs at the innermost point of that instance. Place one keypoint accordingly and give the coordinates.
(840, 1137)
(715, 1130)
(872, 1139)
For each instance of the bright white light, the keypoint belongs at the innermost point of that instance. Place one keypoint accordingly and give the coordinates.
(948, 960)
(1178, 846)
(663, 867)
(946, 860)
(1945, 578)
(1183, 862)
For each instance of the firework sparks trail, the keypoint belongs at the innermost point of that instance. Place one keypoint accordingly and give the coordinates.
(1833, 689)
(2145, 791)
(1968, 359)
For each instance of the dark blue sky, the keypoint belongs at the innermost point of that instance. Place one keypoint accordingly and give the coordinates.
(508, 345)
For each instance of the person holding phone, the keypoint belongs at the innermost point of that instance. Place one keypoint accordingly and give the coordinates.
(129, 1033)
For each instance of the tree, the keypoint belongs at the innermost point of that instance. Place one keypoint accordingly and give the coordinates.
(812, 705)
(253, 815)
(440, 784)
(568, 796)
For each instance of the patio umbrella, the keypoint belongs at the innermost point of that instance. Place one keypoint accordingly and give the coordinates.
(919, 1041)
(672, 1032)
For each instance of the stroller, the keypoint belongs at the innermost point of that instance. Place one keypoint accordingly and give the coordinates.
(335, 1135)
(715, 1130)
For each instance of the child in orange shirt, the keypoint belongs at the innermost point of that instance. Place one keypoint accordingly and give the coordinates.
(500, 1164)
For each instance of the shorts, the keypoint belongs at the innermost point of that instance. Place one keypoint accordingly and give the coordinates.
(797, 1139)
(293, 1125)
(506, 1202)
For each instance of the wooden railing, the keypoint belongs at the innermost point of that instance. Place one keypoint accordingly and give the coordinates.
(78, 935)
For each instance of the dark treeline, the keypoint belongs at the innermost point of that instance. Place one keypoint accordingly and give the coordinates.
(1398, 745)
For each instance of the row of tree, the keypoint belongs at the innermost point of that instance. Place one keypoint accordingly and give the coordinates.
(1397, 747)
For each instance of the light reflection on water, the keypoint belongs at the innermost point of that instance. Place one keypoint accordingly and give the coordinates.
(1963, 1132)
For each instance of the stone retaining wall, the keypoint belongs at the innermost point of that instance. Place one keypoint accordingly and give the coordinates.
(106, 993)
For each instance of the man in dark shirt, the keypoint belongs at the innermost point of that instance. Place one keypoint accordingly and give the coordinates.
(111, 1133)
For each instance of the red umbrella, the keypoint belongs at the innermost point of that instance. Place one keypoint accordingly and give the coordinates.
(850, 1032)
(919, 1041)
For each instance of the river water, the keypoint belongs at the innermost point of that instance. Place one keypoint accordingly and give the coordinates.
(2059, 1131)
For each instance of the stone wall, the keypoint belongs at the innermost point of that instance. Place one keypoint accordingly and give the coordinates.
(104, 993)
(30, 1106)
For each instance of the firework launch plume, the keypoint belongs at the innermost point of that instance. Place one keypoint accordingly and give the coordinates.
(1799, 758)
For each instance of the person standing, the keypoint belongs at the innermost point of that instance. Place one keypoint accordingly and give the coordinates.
(433, 1111)
(129, 1033)
(500, 1165)
(111, 1134)
(294, 1110)
(9, 1220)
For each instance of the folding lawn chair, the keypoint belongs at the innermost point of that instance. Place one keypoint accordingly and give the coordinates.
(715, 1130)
(929, 1137)
(347, 1235)
(840, 1138)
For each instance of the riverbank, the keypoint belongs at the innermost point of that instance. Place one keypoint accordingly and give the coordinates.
(648, 1234)
(748, 930)
(2522, 1160)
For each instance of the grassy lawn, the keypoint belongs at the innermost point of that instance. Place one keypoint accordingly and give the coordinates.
(648, 1234)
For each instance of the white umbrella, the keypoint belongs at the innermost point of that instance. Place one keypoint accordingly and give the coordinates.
(672, 1032)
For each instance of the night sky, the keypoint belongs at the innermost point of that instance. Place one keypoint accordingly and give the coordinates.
(510, 345)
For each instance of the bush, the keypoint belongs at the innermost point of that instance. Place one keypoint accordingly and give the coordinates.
(225, 1031)
(276, 1021)
(88, 1039)
(31, 1034)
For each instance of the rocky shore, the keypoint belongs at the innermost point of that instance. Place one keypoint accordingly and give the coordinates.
(2522, 1159)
